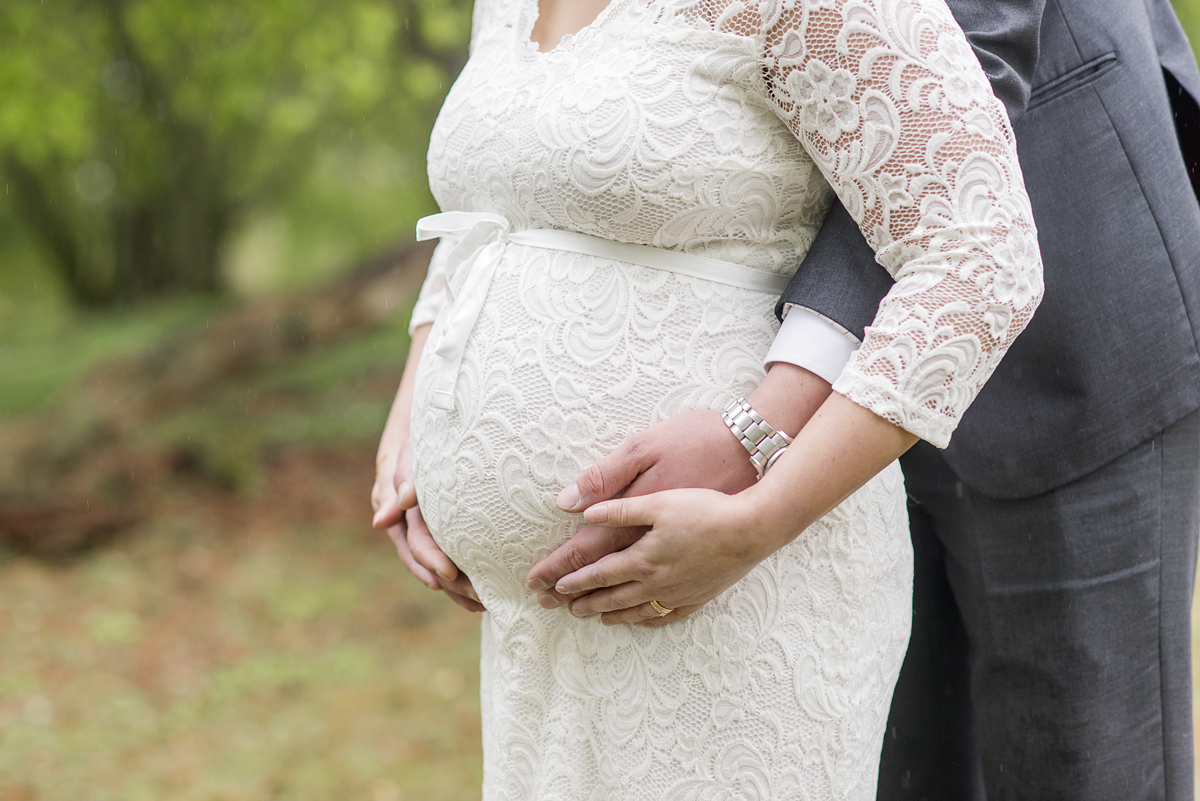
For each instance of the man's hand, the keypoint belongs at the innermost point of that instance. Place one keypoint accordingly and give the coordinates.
(394, 498)
(695, 450)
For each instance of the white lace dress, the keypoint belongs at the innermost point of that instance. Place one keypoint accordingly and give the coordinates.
(720, 129)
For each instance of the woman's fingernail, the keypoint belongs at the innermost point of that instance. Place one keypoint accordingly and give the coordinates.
(443, 576)
(378, 516)
(402, 490)
(472, 595)
(568, 499)
(577, 610)
(537, 585)
(549, 601)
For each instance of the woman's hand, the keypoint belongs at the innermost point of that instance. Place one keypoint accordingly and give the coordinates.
(700, 543)
(394, 496)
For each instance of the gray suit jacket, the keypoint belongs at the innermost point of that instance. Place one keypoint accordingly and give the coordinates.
(1113, 353)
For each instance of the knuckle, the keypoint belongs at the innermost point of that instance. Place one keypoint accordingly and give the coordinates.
(591, 482)
(590, 605)
(614, 604)
(420, 550)
(643, 571)
(575, 558)
(597, 579)
(637, 447)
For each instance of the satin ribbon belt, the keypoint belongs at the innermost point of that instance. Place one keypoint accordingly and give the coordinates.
(483, 239)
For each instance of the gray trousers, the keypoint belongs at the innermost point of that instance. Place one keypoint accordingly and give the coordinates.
(1051, 645)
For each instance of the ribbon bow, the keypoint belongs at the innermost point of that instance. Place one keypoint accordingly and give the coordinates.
(484, 236)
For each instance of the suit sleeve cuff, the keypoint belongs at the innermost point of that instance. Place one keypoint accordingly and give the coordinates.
(810, 340)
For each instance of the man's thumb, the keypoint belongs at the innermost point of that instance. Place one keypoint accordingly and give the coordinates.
(605, 479)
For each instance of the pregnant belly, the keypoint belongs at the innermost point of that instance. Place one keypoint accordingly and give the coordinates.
(571, 355)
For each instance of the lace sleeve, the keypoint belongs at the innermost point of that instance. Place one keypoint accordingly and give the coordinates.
(892, 105)
(433, 292)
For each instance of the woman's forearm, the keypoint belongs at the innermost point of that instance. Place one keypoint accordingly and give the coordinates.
(789, 396)
(841, 448)
(396, 430)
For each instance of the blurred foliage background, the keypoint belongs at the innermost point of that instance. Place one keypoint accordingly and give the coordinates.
(148, 143)
(204, 278)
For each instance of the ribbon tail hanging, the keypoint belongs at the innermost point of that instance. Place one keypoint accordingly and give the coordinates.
(463, 317)
(477, 253)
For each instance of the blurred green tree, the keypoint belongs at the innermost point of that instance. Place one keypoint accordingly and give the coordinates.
(136, 134)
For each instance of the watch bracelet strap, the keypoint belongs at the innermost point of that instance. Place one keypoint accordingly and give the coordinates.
(764, 444)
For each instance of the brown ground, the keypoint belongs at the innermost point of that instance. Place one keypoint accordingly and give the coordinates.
(238, 647)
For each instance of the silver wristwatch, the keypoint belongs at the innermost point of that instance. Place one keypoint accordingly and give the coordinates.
(763, 442)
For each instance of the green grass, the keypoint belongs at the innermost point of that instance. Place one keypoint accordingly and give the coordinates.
(206, 661)
(48, 352)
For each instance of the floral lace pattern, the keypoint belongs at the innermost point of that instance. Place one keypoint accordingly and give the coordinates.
(721, 128)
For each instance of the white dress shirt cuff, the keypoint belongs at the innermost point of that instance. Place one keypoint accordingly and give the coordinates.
(811, 340)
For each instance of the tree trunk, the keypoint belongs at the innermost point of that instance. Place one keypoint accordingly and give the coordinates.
(167, 247)
(127, 249)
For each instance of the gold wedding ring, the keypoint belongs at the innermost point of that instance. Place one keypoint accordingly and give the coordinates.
(662, 610)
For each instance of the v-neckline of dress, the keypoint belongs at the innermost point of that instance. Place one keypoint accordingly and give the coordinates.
(533, 10)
